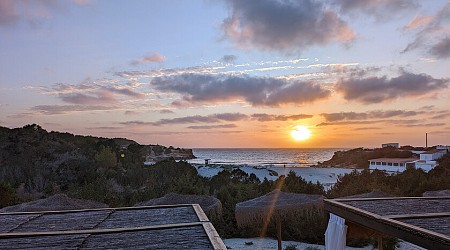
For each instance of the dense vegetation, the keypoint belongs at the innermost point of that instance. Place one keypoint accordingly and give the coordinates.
(35, 163)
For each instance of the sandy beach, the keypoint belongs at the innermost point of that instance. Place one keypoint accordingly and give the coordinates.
(325, 176)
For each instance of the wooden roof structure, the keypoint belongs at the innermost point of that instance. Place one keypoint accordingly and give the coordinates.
(149, 227)
(424, 221)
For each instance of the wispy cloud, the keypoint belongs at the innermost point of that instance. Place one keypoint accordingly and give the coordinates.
(213, 126)
(441, 49)
(64, 109)
(433, 33)
(283, 25)
(262, 117)
(214, 118)
(91, 93)
(258, 91)
(218, 118)
(376, 114)
(366, 122)
(31, 12)
(152, 58)
(379, 89)
(380, 9)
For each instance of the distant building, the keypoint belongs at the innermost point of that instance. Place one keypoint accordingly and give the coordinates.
(394, 144)
(428, 159)
(392, 165)
(446, 147)
(426, 162)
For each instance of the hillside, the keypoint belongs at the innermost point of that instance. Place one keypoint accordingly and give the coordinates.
(35, 161)
(359, 157)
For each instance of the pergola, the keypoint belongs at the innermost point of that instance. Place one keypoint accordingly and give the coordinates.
(423, 221)
(148, 227)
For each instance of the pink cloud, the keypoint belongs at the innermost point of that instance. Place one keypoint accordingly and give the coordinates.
(418, 21)
(156, 57)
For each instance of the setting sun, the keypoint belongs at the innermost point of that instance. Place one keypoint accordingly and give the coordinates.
(300, 133)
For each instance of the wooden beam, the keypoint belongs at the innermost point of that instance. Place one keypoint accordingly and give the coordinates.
(407, 232)
(416, 216)
(214, 237)
(200, 214)
(99, 231)
(97, 209)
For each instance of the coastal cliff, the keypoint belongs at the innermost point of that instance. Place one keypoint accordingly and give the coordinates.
(359, 157)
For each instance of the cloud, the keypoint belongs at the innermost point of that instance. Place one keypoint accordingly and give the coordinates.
(218, 118)
(418, 22)
(441, 49)
(166, 111)
(376, 8)
(258, 91)
(228, 58)
(100, 97)
(425, 125)
(157, 57)
(104, 128)
(65, 109)
(32, 12)
(268, 117)
(213, 126)
(91, 93)
(365, 122)
(131, 112)
(379, 89)
(377, 114)
(214, 118)
(433, 33)
(283, 25)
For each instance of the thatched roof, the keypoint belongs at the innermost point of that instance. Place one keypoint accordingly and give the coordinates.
(376, 193)
(275, 203)
(55, 202)
(210, 205)
(445, 192)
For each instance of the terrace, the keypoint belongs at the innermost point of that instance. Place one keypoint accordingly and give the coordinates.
(423, 221)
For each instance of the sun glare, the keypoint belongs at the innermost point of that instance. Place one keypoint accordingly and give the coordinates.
(300, 133)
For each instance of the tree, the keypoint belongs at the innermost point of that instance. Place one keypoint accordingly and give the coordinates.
(105, 158)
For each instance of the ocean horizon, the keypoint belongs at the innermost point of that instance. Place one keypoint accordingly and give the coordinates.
(285, 157)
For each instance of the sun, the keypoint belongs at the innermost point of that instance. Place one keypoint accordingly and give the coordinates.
(300, 133)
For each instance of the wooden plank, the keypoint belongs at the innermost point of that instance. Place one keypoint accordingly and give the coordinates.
(99, 231)
(99, 209)
(200, 214)
(392, 198)
(214, 237)
(416, 235)
(415, 216)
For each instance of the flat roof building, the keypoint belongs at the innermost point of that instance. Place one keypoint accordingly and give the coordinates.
(391, 164)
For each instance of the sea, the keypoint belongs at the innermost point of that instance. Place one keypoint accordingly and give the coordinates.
(284, 157)
(270, 163)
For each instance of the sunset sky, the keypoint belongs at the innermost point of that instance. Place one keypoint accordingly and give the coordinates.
(229, 73)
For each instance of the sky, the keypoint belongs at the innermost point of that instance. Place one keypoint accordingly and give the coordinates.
(229, 73)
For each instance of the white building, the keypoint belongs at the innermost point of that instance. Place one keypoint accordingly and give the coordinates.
(426, 162)
(392, 165)
(428, 159)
